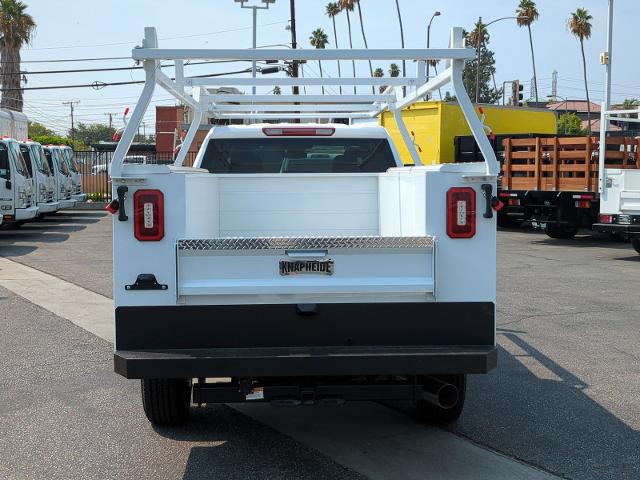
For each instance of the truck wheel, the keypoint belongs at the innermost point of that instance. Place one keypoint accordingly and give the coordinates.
(635, 242)
(431, 413)
(166, 401)
(555, 230)
(507, 222)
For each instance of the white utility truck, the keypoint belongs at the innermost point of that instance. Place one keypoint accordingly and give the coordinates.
(74, 172)
(64, 184)
(44, 180)
(301, 263)
(17, 201)
(619, 187)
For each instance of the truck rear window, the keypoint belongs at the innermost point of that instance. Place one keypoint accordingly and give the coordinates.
(298, 155)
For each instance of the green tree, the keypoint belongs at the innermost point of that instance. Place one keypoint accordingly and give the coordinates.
(487, 94)
(527, 13)
(277, 90)
(319, 39)
(38, 130)
(570, 124)
(394, 70)
(16, 29)
(333, 9)
(630, 104)
(347, 6)
(580, 26)
(92, 133)
(58, 140)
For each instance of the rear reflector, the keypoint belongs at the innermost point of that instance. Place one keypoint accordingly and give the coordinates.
(606, 218)
(148, 209)
(298, 132)
(461, 212)
(583, 204)
(513, 201)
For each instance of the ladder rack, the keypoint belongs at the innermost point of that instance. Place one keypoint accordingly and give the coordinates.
(400, 92)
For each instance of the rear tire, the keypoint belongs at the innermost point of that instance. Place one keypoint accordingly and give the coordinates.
(635, 242)
(428, 412)
(166, 401)
(554, 230)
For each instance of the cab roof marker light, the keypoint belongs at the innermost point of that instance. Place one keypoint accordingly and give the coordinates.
(299, 131)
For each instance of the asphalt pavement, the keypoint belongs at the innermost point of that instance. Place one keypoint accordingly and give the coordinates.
(565, 397)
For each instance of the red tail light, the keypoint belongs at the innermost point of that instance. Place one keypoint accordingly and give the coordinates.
(148, 211)
(298, 131)
(606, 218)
(461, 212)
(583, 204)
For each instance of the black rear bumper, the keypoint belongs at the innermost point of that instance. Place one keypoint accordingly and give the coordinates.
(616, 227)
(310, 340)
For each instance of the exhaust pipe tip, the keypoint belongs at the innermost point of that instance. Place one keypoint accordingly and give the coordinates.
(438, 392)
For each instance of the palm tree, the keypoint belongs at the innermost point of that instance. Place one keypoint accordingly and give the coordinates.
(333, 9)
(347, 6)
(379, 73)
(527, 13)
(319, 39)
(394, 70)
(364, 39)
(404, 64)
(580, 26)
(16, 29)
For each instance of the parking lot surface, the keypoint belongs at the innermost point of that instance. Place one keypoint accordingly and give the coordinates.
(565, 398)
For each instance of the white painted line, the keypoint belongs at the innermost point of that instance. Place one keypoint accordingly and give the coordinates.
(369, 438)
(86, 309)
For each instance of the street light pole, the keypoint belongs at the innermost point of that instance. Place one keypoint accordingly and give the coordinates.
(607, 59)
(479, 44)
(435, 14)
(255, 9)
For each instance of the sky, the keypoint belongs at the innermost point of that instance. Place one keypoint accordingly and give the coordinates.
(81, 29)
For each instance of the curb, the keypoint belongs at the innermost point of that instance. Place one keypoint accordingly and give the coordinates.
(90, 205)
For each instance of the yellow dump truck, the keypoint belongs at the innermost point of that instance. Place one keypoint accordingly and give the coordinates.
(436, 124)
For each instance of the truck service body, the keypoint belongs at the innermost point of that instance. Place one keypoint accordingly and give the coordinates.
(17, 199)
(44, 179)
(301, 263)
(619, 188)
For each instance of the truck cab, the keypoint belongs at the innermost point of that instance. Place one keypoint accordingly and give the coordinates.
(17, 200)
(299, 262)
(58, 165)
(74, 171)
(44, 178)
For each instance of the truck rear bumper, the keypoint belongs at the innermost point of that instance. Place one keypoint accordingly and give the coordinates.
(297, 340)
(616, 227)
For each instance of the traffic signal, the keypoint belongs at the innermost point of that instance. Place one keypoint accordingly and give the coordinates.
(516, 93)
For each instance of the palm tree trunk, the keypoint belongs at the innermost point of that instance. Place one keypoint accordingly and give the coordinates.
(586, 87)
(335, 36)
(10, 70)
(321, 76)
(404, 64)
(533, 62)
(353, 62)
(364, 38)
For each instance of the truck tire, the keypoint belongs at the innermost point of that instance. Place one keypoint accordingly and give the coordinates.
(554, 230)
(635, 242)
(166, 401)
(428, 412)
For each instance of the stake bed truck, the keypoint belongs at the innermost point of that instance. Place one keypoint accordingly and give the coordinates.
(301, 263)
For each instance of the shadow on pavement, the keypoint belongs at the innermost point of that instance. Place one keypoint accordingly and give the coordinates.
(236, 444)
(546, 418)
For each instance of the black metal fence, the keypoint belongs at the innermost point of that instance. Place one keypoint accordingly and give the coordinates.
(95, 166)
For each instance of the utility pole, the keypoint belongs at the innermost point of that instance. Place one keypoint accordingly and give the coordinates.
(294, 43)
(605, 58)
(71, 104)
(478, 43)
(110, 115)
